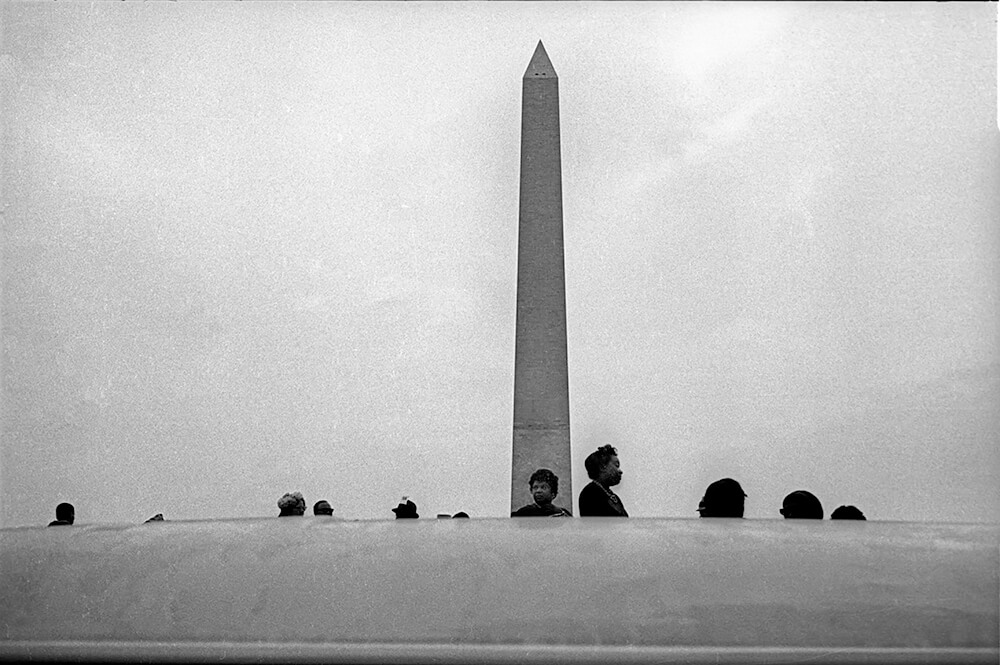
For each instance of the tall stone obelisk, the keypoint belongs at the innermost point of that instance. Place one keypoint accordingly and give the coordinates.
(541, 372)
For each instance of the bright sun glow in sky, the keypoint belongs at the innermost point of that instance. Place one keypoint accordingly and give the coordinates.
(723, 33)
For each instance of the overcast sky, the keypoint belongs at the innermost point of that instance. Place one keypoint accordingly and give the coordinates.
(254, 248)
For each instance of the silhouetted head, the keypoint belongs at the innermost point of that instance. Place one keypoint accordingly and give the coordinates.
(407, 510)
(158, 517)
(292, 504)
(65, 512)
(603, 466)
(460, 514)
(322, 508)
(801, 504)
(544, 486)
(847, 513)
(723, 498)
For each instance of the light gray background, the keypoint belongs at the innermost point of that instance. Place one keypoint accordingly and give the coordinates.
(251, 248)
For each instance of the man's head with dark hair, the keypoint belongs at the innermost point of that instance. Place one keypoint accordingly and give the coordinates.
(544, 486)
(65, 512)
(322, 507)
(801, 504)
(847, 513)
(603, 466)
(723, 498)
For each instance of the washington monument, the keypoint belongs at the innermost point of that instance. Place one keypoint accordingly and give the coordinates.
(541, 373)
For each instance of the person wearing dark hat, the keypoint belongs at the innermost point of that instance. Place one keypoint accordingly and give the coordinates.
(406, 510)
(544, 486)
(292, 504)
(723, 498)
(847, 513)
(596, 498)
(801, 504)
(322, 508)
(65, 515)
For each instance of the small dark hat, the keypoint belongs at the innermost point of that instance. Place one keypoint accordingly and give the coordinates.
(322, 507)
(406, 510)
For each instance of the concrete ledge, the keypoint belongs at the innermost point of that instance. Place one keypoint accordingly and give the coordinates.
(502, 590)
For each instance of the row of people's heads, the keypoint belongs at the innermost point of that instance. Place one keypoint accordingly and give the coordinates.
(66, 515)
(293, 504)
(406, 509)
(726, 498)
(802, 504)
(723, 498)
(602, 466)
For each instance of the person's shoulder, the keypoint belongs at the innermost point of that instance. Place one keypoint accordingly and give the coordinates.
(593, 502)
(525, 511)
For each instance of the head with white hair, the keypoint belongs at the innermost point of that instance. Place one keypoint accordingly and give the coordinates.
(292, 504)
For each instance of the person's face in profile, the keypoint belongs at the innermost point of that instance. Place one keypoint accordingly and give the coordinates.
(611, 474)
(541, 492)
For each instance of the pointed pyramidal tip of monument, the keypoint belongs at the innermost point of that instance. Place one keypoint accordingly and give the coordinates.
(540, 65)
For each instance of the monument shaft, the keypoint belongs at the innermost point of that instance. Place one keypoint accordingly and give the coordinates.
(541, 372)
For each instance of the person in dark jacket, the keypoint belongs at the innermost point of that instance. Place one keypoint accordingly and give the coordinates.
(65, 514)
(544, 486)
(596, 498)
(801, 504)
(723, 498)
